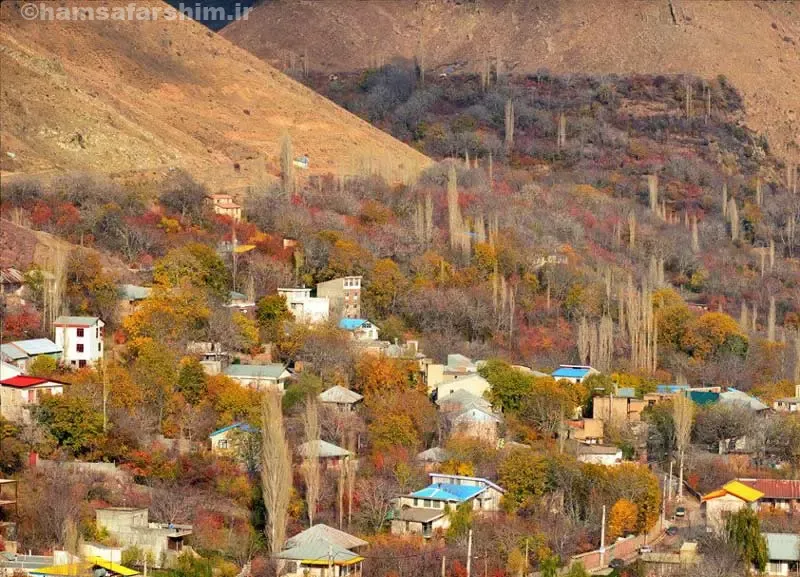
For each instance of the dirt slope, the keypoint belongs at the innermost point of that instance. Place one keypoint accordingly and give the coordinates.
(141, 97)
(755, 44)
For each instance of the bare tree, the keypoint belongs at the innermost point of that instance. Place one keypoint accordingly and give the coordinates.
(287, 165)
(682, 415)
(276, 471)
(375, 502)
(310, 467)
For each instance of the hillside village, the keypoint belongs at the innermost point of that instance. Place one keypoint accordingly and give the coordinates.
(553, 329)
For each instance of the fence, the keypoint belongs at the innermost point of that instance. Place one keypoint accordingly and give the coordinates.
(621, 549)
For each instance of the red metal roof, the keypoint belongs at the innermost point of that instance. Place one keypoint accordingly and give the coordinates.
(23, 382)
(775, 488)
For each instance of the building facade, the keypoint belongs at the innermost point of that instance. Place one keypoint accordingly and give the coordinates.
(344, 294)
(224, 205)
(304, 307)
(81, 339)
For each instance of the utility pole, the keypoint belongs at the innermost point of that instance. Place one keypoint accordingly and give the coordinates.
(330, 561)
(664, 504)
(233, 251)
(469, 554)
(444, 565)
(105, 394)
(603, 539)
(526, 556)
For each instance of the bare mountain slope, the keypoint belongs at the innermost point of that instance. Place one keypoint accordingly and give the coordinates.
(141, 97)
(755, 44)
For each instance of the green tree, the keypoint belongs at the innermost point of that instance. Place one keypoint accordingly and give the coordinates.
(155, 371)
(196, 264)
(43, 366)
(191, 380)
(72, 421)
(460, 522)
(744, 529)
(271, 313)
(523, 474)
(509, 385)
(577, 570)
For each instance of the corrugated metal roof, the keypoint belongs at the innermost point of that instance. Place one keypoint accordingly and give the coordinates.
(571, 372)
(351, 324)
(449, 492)
(626, 392)
(320, 553)
(324, 449)
(12, 352)
(33, 347)
(419, 514)
(322, 532)
(783, 546)
(340, 395)
(243, 426)
(744, 492)
(433, 455)
(75, 321)
(271, 371)
(775, 488)
(462, 398)
(738, 397)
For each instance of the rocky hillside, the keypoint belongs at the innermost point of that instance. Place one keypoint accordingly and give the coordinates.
(145, 97)
(756, 45)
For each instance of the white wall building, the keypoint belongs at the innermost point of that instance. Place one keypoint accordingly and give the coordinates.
(304, 307)
(81, 338)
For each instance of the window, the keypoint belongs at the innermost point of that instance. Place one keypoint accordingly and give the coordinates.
(222, 444)
(79, 347)
(81, 363)
(99, 347)
(427, 503)
(416, 501)
(80, 332)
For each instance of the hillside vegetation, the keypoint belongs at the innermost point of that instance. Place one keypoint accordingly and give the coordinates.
(754, 44)
(139, 98)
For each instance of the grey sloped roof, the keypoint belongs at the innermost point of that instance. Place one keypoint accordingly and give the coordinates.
(325, 450)
(271, 371)
(322, 532)
(76, 321)
(319, 552)
(340, 395)
(433, 455)
(31, 348)
(739, 397)
(420, 514)
(463, 399)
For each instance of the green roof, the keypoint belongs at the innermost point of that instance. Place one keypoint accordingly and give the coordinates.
(271, 371)
(783, 546)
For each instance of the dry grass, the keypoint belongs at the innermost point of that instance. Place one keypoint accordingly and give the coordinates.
(136, 98)
(755, 44)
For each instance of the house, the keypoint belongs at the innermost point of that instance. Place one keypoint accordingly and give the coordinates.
(321, 555)
(573, 373)
(361, 329)
(224, 204)
(225, 441)
(623, 407)
(777, 494)
(240, 302)
(207, 351)
(311, 552)
(260, 377)
(344, 294)
(472, 383)
(130, 527)
(11, 281)
(788, 404)
(329, 455)
(426, 511)
(432, 458)
(729, 499)
(22, 353)
(476, 423)
(81, 339)
(343, 399)
(608, 455)
(664, 393)
(462, 400)
(304, 307)
(587, 431)
(19, 394)
(783, 552)
(130, 295)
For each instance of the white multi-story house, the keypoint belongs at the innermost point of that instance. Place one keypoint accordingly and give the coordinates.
(304, 307)
(81, 339)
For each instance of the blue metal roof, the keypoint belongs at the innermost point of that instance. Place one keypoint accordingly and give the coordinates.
(670, 389)
(703, 397)
(571, 372)
(448, 492)
(351, 324)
